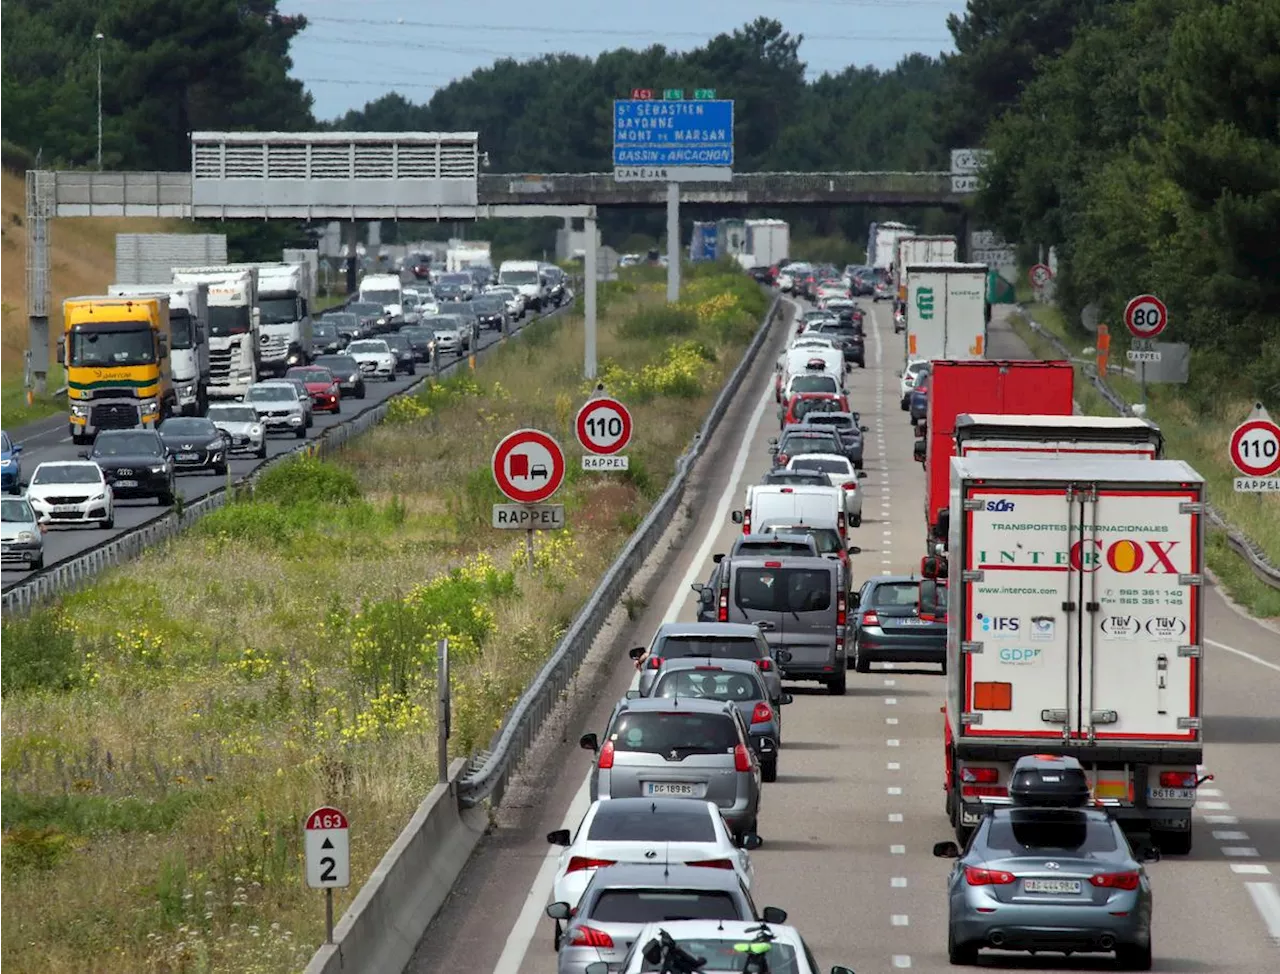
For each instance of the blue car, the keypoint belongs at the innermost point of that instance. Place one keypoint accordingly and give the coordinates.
(10, 464)
(919, 400)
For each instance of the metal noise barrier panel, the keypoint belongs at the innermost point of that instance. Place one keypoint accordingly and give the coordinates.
(1243, 546)
(490, 770)
(70, 574)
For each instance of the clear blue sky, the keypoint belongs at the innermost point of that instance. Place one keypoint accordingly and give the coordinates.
(354, 51)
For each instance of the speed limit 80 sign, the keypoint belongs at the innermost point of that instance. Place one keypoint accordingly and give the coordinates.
(1146, 316)
(604, 429)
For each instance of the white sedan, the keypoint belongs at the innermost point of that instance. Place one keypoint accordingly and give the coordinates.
(72, 492)
(375, 358)
(645, 830)
(723, 944)
(840, 473)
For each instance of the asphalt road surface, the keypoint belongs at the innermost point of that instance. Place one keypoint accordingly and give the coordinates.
(48, 439)
(850, 823)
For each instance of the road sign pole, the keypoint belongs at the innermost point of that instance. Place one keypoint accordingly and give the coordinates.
(673, 243)
(528, 547)
(328, 915)
(589, 300)
(444, 710)
(1142, 374)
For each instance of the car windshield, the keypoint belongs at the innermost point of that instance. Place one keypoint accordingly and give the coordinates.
(178, 426)
(814, 383)
(15, 509)
(397, 343)
(488, 305)
(783, 589)
(364, 309)
(827, 539)
(714, 647)
(383, 298)
(723, 955)
(629, 823)
(329, 328)
(369, 348)
(67, 473)
(785, 476)
(271, 394)
(1027, 832)
(680, 733)
(658, 905)
(822, 465)
(456, 280)
(312, 375)
(126, 444)
(798, 443)
(338, 363)
(519, 277)
(711, 684)
(233, 414)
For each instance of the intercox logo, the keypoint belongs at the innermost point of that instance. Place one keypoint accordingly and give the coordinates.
(924, 302)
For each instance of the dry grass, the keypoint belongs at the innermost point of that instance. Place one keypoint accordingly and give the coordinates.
(1200, 438)
(158, 763)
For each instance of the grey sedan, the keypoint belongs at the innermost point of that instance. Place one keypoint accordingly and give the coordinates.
(889, 628)
(738, 682)
(1048, 879)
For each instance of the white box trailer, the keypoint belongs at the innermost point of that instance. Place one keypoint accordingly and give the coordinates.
(1075, 625)
(947, 311)
(769, 241)
(1129, 437)
(920, 249)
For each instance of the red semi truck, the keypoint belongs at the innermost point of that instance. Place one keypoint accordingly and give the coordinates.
(979, 386)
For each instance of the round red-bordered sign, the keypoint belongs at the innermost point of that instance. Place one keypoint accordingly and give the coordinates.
(1146, 316)
(1040, 275)
(604, 426)
(325, 818)
(528, 466)
(1255, 448)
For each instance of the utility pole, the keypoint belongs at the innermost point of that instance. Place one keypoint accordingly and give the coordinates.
(99, 37)
(673, 243)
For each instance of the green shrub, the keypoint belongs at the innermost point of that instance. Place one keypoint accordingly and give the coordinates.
(39, 653)
(304, 479)
(659, 321)
(256, 522)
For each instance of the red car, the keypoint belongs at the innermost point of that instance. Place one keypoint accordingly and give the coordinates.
(326, 396)
(803, 403)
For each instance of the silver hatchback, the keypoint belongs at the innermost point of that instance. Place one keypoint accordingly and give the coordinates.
(683, 748)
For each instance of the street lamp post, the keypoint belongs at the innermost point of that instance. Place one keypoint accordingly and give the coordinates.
(99, 38)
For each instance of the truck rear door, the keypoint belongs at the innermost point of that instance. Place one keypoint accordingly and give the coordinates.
(1140, 567)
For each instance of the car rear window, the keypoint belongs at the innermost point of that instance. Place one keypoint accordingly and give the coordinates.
(629, 823)
(710, 684)
(810, 443)
(675, 733)
(827, 539)
(814, 383)
(1055, 833)
(713, 647)
(779, 549)
(723, 955)
(783, 589)
(823, 418)
(896, 594)
(806, 406)
(665, 905)
(820, 465)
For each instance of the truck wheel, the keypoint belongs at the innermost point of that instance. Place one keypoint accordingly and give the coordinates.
(79, 439)
(837, 686)
(1172, 843)
(1134, 958)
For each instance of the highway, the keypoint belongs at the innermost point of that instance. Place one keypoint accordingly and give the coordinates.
(858, 804)
(48, 439)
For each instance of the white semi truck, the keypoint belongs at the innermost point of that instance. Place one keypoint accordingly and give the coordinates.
(882, 244)
(189, 339)
(1121, 437)
(233, 325)
(947, 311)
(916, 249)
(768, 241)
(1075, 615)
(285, 294)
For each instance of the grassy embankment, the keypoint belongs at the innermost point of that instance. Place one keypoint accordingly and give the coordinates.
(1192, 435)
(166, 729)
(82, 261)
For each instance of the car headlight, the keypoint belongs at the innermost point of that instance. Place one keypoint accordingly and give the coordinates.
(159, 468)
(5, 461)
(26, 537)
(255, 430)
(100, 496)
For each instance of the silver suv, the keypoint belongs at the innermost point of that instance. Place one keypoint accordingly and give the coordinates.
(278, 407)
(683, 748)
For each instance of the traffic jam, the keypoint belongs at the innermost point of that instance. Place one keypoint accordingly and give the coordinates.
(1070, 725)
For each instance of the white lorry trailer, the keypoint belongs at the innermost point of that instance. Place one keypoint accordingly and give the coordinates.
(917, 249)
(768, 241)
(233, 325)
(882, 244)
(1121, 437)
(947, 311)
(1075, 622)
(189, 339)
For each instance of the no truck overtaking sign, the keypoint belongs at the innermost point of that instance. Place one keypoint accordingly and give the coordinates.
(1255, 451)
(528, 466)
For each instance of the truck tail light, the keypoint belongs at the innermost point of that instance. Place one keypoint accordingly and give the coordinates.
(1178, 779)
(840, 522)
(980, 776)
(741, 758)
(606, 756)
(746, 520)
(975, 876)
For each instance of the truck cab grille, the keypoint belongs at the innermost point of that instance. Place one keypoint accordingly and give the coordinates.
(114, 416)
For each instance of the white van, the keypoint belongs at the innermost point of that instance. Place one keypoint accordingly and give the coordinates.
(789, 505)
(383, 289)
(802, 363)
(526, 275)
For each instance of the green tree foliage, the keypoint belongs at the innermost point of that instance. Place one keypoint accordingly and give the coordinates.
(1148, 153)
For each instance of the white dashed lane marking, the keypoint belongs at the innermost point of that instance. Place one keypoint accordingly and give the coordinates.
(899, 920)
(1250, 869)
(893, 790)
(898, 850)
(895, 816)
(1231, 836)
(898, 882)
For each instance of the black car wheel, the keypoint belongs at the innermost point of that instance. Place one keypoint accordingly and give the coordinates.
(220, 469)
(1134, 957)
(860, 665)
(360, 391)
(839, 684)
(960, 954)
(769, 770)
(36, 564)
(262, 450)
(300, 433)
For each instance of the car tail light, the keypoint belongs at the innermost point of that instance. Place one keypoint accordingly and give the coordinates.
(975, 876)
(1115, 880)
(746, 520)
(980, 776)
(712, 863)
(784, 459)
(589, 937)
(842, 610)
(764, 664)
(655, 662)
(741, 758)
(606, 756)
(1178, 779)
(773, 564)
(786, 490)
(850, 485)
(871, 618)
(578, 863)
(840, 522)
(723, 614)
(762, 714)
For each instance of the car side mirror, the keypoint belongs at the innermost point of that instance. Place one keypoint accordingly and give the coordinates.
(946, 850)
(862, 475)
(636, 653)
(772, 914)
(633, 694)
(697, 586)
(855, 549)
(62, 351)
(783, 656)
(783, 700)
(601, 967)
(559, 911)
(736, 517)
(589, 742)
(707, 597)
(717, 557)
(835, 970)
(773, 441)
(918, 451)
(1151, 853)
(750, 841)
(560, 837)
(17, 448)
(83, 454)
(865, 429)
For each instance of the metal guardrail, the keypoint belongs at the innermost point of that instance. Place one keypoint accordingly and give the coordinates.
(1237, 541)
(490, 770)
(71, 573)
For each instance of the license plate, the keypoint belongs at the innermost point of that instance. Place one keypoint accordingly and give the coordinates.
(912, 622)
(1051, 886)
(673, 789)
(1177, 794)
(66, 509)
(126, 483)
(188, 456)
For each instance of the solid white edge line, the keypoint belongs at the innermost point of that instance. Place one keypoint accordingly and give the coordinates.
(1249, 656)
(1266, 897)
(525, 929)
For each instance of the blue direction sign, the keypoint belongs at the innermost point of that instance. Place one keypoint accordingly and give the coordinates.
(672, 134)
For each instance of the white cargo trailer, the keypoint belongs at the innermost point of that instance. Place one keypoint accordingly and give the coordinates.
(947, 311)
(1129, 437)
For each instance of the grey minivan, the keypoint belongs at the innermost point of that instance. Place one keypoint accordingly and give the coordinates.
(772, 544)
(801, 605)
(681, 748)
(715, 640)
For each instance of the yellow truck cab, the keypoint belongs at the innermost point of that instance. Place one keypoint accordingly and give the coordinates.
(116, 353)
